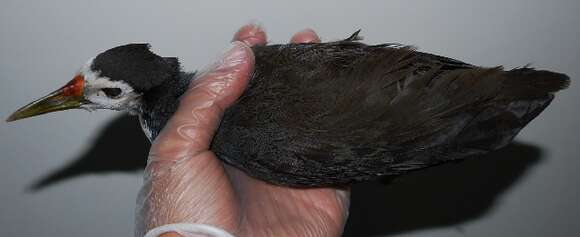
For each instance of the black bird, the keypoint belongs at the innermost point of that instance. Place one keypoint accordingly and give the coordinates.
(330, 113)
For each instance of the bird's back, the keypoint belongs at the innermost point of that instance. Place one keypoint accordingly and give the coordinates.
(335, 113)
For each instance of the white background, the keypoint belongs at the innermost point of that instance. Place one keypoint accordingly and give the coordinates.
(534, 191)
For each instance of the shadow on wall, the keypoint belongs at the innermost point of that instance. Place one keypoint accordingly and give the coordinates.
(120, 147)
(443, 196)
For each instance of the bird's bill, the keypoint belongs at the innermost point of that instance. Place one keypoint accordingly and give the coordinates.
(69, 96)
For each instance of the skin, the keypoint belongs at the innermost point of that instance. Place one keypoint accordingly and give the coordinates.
(201, 189)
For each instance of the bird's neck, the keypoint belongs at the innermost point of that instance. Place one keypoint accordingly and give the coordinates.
(159, 104)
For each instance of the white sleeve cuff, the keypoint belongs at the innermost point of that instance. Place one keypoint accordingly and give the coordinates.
(189, 230)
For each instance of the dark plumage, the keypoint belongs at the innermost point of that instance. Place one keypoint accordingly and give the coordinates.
(340, 112)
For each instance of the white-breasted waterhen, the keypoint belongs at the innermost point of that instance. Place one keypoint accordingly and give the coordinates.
(327, 113)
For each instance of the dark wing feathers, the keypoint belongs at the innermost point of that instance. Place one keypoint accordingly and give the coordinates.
(340, 112)
(527, 82)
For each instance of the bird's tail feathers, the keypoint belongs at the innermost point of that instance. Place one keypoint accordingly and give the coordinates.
(527, 83)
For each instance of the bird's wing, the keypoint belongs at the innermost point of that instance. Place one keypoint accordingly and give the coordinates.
(345, 109)
(383, 97)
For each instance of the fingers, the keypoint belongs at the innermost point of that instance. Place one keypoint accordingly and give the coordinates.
(305, 36)
(191, 128)
(251, 34)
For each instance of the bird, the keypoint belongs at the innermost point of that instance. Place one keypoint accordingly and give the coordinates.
(326, 114)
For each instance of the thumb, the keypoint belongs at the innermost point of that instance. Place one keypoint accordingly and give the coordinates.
(180, 165)
(193, 125)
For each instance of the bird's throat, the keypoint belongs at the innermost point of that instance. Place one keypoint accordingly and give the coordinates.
(159, 104)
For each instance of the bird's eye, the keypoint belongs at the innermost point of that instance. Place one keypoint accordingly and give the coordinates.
(112, 92)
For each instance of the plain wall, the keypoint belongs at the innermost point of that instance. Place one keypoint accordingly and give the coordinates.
(93, 159)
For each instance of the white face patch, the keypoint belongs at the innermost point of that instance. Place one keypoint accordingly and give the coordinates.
(95, 87)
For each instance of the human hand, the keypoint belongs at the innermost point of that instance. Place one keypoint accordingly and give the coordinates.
(186, 183)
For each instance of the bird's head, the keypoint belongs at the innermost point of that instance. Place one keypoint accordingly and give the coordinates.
(115, 79)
